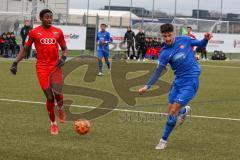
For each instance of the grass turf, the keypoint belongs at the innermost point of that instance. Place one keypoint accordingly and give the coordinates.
(25, 127)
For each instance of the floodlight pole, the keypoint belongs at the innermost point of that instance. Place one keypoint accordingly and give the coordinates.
(7, 5)
(87, 12)
(34, 12)
(221, 10)
(109, 4)
(130, 21)
(153, 10)
(152, 14)
(175, 8)
(67, 11)
(142, 19)
(198, 9)
(198, 15)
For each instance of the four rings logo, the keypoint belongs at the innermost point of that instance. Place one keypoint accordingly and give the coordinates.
(48, 41)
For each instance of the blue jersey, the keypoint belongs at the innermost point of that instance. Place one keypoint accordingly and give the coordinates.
(103, 39)
(181, 57)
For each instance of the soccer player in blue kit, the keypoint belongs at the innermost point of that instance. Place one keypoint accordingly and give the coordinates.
(177, 51)
(102, 40)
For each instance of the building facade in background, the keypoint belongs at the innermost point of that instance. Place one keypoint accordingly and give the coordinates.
(60, 7)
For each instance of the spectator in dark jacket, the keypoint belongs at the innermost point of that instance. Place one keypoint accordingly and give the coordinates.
(129, 38)
(2, 41)
(24, 33)
(14, 47)
(140, 44)
(5, 45)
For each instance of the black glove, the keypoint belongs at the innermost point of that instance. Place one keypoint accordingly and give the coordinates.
(13, 68)
(61, 61)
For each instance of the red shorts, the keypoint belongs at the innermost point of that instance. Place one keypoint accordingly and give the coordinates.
(47, 76)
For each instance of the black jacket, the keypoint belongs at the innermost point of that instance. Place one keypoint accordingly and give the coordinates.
(140, 38)
(129, 36)
(24, 32)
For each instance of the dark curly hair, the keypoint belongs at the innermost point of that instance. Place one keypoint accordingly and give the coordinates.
(166, 28)
(44, 11)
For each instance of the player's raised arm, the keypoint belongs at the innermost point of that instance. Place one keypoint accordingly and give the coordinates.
(203, 42)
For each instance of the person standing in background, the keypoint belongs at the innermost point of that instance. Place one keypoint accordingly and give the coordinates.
(129, 37)
(140, 44)
(103, 40)
(189, 32)
(24, 33)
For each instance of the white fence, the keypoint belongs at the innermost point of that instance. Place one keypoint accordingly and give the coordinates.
(228, 43)
(76, 39)
(75, 36)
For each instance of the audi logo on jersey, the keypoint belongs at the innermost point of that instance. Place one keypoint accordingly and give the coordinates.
(48, 41)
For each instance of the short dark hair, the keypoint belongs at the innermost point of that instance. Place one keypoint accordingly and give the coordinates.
(189, 27)
(166, 28)
(44, 11)
(103, 24)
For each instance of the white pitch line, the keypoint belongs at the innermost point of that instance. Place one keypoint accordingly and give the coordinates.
(33, 61)
(216, 66)
(122, 110)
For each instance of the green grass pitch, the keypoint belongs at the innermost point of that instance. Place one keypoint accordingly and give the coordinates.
(118, 135)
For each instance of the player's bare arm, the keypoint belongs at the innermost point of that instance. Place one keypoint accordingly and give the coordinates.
(64, 51)
(21, 55)
(154, 78)
(63, 58)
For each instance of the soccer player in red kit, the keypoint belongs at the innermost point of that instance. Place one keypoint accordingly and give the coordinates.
(189, 32)
(47, 40)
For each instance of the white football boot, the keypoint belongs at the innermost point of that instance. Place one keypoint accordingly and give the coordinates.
(161, 145)
(100, 74)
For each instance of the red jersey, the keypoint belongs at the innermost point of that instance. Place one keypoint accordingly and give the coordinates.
(192, 36)
(2, 41)
(46, 41)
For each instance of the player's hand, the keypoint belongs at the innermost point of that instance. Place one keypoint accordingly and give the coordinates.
(143, 90)
(61, 61)
(13, 68)
(208, 36)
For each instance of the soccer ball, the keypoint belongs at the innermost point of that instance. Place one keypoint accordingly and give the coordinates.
(82, 126)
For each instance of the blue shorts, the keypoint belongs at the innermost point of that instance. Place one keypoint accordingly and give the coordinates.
(103, 54)
(183, 90)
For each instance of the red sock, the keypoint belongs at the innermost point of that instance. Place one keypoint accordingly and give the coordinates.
(50, 107)
(59, 99)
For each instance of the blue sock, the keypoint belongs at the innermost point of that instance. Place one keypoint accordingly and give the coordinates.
(100, 65)
(171, 122)
(182, 110)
